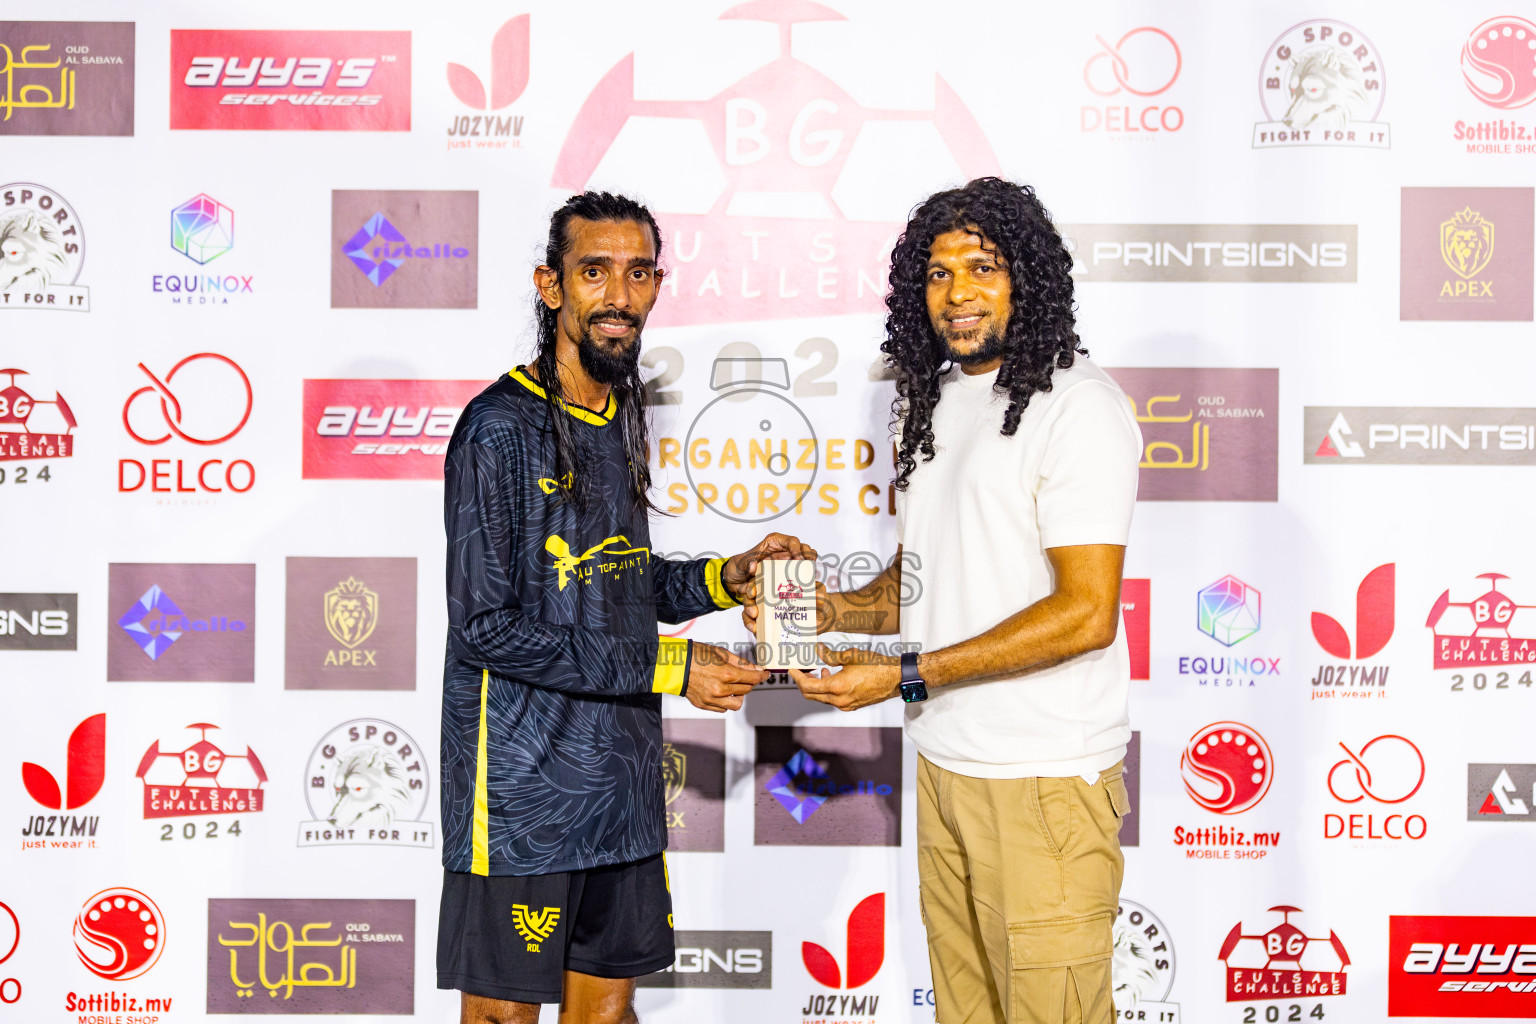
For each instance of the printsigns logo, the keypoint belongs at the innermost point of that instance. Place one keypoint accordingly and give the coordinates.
(1247, 253)
(717, 960)
(406, 250)
(509, 77)
(693, 780)
(1482, 631)
(866, 950)
(308, 81)
(182, 623)
(1322, 83)
(1227, 767)
(42, 247)
(1143, 966)
(311, 956)
(1467, 253)
(1501, 792)
(351, 624)
(1142, 63)
(1136, 613)
(381, 429)
(67, 77)
(1403, 436)
(38, 622)
(119, 934)
(1387, 770)
(31, 429)
(200, 779)
(367, 784)
(1461, 966)
(822, 786)
(1210, 434)
(799, 200)
(1498, 61)
(1283, 963)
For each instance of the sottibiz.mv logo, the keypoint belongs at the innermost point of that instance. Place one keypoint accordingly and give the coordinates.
(866, 952)
(1462, 967)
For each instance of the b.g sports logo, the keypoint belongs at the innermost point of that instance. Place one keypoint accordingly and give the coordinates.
(316, 81)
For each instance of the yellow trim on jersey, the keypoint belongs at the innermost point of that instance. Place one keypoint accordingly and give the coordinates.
(585, 415)
(480, 862)
(716, 585)
(672, 657)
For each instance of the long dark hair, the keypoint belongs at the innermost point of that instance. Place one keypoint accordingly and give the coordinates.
(629, 415)
(1041, 333)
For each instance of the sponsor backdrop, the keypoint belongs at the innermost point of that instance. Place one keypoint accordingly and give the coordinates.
(257, 257)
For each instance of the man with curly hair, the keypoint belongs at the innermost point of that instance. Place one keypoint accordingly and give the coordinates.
(1016, 475)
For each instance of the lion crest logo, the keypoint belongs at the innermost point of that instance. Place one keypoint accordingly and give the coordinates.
(31, 251)
(371, 788)
(674, 771)
(1466, 243)
(351, 612)
(1327, 90)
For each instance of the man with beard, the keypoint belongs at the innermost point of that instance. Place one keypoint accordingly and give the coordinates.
(554, 887)
(1016, 477)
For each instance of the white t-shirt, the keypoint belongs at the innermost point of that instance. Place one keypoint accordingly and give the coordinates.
(978, 519)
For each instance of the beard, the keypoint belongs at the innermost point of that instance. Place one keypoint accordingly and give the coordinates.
(601, 357)
(991, 347)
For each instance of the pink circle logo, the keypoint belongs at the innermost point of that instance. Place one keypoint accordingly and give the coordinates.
(119, 934)
(1499, 62)
(1227, 767)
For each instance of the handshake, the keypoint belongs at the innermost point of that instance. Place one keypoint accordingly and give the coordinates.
(719, 680)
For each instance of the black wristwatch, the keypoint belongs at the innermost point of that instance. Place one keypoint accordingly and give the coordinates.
(913, 689)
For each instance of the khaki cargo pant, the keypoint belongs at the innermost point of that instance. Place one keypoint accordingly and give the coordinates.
(1020, 887)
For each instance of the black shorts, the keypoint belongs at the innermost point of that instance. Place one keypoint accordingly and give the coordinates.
(513, 936)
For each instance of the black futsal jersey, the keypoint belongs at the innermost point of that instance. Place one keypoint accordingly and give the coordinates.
(551, 744)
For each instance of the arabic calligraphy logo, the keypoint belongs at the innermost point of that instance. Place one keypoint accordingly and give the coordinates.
(509, 69)
(19, 98)
(351, 612)
(1398, 774)
(1229, 610)
(1200, 440)
(674, 771)
(566, 562)
(534, 927)
(1151, 54)
(1466, 242)
(1498, 62)
(1227, 767)
(202, 228)
(119, 934)
(203, 422)
(264, 937)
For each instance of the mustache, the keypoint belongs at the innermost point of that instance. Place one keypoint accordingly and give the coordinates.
(619, 315)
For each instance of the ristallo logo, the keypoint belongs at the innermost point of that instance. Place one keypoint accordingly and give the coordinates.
(1283, 963)
(67, 77)
(1322, 83)
(1467, 253)
(1461, 967)
(119, 934)
(405, 250)
(1143, 63)
(1386, 770)
(1375, 618)
(311, 80)
(1501, 792)
(508, 79)
(792, 199)
(381, 429)
(203, 400)
(203, 230)
(865, 955)
(183, 623)
(828, 786)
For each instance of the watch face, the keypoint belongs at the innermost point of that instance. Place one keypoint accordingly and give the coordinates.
(914, 691)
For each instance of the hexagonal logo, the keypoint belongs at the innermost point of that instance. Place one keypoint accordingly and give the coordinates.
(1229, 610)
(202, 229)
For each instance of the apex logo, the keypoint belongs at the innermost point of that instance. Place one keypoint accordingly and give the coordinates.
(1494, 792)
(509, 70)
(1375, 602)
(866, 948)
(1336, 444)
(85, 767)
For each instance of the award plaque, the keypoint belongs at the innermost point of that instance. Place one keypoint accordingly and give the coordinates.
(786, 620)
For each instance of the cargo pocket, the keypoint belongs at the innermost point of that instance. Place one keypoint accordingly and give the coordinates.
(1119, 795)
(1060, 971)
